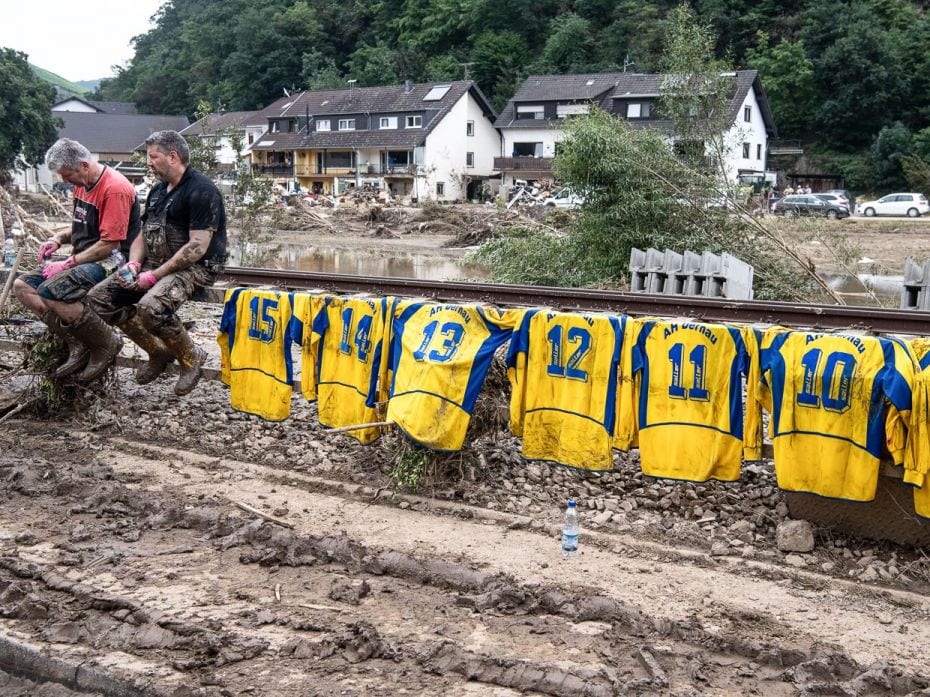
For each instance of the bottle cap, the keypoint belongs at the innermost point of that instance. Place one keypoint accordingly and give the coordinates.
(571, 504)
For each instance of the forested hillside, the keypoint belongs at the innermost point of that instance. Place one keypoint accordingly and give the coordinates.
(850, 78)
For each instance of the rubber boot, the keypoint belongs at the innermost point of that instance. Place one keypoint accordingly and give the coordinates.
(77, 352)
(159, 354)
(104, 344)
(190, 357)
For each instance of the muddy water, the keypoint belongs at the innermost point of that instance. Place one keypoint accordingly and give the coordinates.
(855, 290)
(394, 264)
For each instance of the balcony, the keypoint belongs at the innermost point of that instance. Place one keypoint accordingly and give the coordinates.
(273, 170)
(523, 164)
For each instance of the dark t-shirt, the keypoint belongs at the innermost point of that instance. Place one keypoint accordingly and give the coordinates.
(194, 204)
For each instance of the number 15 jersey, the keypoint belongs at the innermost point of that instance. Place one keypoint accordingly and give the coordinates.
(827, 394)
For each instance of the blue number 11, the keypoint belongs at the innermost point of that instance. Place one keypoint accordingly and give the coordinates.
(698, 358)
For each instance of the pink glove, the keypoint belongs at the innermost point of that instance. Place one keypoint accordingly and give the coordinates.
(56, 267)
(48, 248)
(146, 280)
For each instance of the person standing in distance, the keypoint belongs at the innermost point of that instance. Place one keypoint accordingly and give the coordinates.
(182, 248)
(105, 217)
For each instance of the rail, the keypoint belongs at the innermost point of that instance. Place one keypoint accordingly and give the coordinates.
(797, 315)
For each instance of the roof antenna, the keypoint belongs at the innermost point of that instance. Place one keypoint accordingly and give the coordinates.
(286, 93)
(465, 67)
(627, 63)
(351, 84)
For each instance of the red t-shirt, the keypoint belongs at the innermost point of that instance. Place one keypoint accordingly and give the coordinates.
(104, 212)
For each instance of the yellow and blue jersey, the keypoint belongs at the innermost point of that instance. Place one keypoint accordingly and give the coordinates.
(255, 351)
(439, 357)
(562, 369)
(827, 397)
(686, 380)
(306, 307)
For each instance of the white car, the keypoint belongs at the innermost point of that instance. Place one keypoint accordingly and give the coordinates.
(911, 205)
(566, 198)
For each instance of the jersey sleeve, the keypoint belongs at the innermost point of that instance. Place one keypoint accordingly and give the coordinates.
(917, 447)
(752, 421)
(625, 428)
(517, 354)
(227, 335)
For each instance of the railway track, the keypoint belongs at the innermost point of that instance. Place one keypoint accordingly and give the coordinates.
(798, 315)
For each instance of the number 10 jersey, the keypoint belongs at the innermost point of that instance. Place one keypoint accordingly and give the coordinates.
(826, 394)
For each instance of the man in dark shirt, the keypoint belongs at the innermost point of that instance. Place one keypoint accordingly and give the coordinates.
(182, 247)
(105, 219)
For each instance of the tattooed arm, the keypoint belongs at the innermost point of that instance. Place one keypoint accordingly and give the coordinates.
(186, 256)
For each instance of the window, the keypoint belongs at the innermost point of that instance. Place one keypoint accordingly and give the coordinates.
(531, 111)
(346, 124)
(527, 149)
(747, 114)
(414, 122)
(469, 159)
(436, 93)
(251, 138)
(469, 128)
(440, 188)
(344, 160)
(758, 151)
(322, 125)
(638, 110)
(388, 122)
(564, 110)
(746, 151)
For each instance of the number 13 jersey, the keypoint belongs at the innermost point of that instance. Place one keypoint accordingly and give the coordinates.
(827, 400)
(688, 380)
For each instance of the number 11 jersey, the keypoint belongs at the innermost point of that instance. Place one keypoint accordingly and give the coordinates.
(688, 383)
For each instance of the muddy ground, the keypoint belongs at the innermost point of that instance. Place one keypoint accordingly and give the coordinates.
(131, 563)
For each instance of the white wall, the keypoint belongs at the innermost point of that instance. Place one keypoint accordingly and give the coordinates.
(74, 105)
(752, 132)
(446, 148)
(547, 136)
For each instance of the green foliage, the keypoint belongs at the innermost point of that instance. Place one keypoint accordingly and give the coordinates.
(410, 467)
(637, 194)
(203, 145)
(569, 47)
(27, 128)
(788, 76)
(58, 81)
(890, 145)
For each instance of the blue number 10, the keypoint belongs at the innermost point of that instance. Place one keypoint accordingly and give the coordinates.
(698, 358)
(832, 390)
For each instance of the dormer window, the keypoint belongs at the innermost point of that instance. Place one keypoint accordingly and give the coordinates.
(564, 110)
(322, 125)
(414, 122)
(638, 110)
(531, 111)
(346, 124)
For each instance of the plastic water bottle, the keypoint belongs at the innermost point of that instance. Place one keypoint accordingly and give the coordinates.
(114, 262)
(570, 531)
(9, 252)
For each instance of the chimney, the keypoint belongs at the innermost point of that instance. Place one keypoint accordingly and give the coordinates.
(408, 86)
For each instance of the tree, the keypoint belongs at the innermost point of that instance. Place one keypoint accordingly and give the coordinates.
(788, 76)
(637, 194)
(697, 90)
(320, 72)
(27, 128)
(373, 66)
(569, 48)
(891, 145)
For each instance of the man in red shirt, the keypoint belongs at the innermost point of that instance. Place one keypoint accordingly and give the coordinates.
(105, 218)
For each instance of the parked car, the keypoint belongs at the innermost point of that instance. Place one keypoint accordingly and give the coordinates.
(844, 193)
(838, 199)
(808, 204)
(566, 198)
(912, 205)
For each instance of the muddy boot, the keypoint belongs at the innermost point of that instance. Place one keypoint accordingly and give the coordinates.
(104, 344)
(159, 354)
(77, 352)
(191, 359)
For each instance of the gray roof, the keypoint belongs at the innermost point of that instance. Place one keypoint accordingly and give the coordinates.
(116, 133)
(601, 88)
(377, 101)
(212, 123)
(115, 107)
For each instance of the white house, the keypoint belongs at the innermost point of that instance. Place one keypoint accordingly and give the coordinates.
(418, 141)
(531, 123)
(110, 130)
(218, 129)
